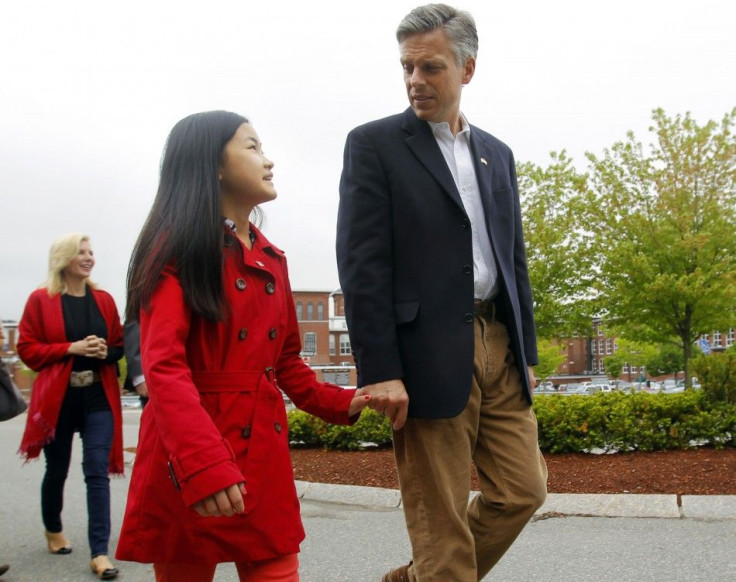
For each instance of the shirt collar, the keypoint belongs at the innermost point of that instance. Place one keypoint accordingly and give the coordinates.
(442, 128)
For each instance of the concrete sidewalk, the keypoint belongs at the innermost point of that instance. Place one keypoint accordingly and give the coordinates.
(357, 533)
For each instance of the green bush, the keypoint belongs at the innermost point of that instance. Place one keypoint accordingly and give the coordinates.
(372, 429)
(717, 373)
(624, 422)
(613, 421)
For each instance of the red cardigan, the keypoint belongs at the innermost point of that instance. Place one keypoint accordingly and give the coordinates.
(42, 346)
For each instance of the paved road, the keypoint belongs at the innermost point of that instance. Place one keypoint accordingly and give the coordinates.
(359, 542)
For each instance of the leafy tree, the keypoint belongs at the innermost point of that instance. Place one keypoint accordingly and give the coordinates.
(664, 223)
(551, 355)
(630, 352)
(558, 245)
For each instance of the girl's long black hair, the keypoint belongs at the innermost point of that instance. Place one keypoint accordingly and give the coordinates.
(184, 227)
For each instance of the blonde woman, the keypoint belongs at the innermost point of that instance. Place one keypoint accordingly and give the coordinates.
(70, 333)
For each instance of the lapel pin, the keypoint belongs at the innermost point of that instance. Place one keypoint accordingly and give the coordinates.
(483, 161)
(260, 264)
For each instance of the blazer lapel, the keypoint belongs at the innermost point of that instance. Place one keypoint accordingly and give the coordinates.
(422, 142)
(483, 161)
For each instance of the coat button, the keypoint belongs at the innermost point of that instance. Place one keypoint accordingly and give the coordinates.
(240, 284)
(468, 318)
(466, 223)
(277, 426)
(243, 333)
(270, 288)
(246, 432)
(272, 333)
(467, 269)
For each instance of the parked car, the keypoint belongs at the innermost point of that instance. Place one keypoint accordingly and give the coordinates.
(571, 389)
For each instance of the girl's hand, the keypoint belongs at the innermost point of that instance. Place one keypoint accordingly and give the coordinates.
(90, 347)
(227, 502)
(359, 402)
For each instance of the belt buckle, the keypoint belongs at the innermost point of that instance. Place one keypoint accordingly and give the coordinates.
(81, 379)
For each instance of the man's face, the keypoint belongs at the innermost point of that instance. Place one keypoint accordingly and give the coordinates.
(433, 78)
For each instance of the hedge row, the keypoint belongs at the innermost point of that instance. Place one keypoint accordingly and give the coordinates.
(608, 421)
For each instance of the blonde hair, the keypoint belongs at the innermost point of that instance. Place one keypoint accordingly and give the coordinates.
(63, 250)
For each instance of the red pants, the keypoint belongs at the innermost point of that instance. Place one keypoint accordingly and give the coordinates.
(282, 569)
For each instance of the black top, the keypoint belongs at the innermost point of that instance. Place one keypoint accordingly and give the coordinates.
(82, 318)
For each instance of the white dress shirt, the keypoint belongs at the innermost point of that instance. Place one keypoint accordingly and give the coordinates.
(458, 155)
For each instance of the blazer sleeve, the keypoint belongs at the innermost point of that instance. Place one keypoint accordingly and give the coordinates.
(523, 285)
(199, 457)
(365, 261)
(34, 347)
(132, 343)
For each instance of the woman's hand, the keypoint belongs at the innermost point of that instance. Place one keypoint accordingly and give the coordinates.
(227, 502)
(89, 347)
(359, 402)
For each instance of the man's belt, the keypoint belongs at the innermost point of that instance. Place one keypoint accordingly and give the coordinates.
(84, 378)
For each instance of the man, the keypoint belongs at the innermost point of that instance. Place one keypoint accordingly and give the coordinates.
(132, 344)
(439, 307)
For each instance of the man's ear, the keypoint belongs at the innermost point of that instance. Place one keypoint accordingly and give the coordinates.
(468, 70)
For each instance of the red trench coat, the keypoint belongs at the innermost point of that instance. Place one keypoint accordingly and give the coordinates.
(216, 418)
(42, 346)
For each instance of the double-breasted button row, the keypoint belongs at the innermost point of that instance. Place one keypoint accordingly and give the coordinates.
(240, 284)
(245, 433)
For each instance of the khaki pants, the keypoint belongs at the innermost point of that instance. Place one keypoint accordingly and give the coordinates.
(453, 541)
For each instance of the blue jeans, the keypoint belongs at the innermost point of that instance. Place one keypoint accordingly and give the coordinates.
(96, 430)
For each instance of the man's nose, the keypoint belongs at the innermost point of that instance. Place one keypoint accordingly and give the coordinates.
(416, 78)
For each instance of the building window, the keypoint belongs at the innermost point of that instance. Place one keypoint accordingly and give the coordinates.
(320, 311)
(716, 338)
(615, 346)
(299, 310)
(608, 347)
(600, 331)
(633, 369)
(310, 343)
(345, 344)
(310, 311)
(600, 346)
(595, 366)
(625, 369)
(332, 345)
(731, 337)
(594, 347)
(603, 366)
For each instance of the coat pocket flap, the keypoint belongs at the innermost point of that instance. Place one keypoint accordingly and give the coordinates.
(406, 312)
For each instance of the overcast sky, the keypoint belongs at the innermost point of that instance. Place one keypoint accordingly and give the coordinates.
(90, 89)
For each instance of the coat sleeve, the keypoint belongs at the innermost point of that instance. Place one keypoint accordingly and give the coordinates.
(132, 342)
(299, 382)
(200, 460)
(523, 285)
(365, 261)
(33, 346)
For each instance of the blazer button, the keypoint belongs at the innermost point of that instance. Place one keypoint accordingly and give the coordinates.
(240, 284)
(272, 333)
(466, 223)
(242, 334)
(246, 432)
(468, 318)
(467, 269)
(270, 288)
(277, 427)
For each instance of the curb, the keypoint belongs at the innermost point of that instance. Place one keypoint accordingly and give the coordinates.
(705, 507)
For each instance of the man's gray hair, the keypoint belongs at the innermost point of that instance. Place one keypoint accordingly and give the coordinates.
(457, 24)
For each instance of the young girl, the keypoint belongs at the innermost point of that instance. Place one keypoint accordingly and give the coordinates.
(212, 480)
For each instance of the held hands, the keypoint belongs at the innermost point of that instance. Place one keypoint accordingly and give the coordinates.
(90, 347)
(226, 503)
(390, 399)
(142, 389)
(359, 402)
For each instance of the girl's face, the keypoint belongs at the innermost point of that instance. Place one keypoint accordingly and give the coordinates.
(245, 173)
(80, 266)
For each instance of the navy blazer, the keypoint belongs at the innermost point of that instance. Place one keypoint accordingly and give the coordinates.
(405, 260)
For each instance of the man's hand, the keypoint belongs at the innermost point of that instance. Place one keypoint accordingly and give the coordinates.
(532, 377)
(142, 390)
(390, 399)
